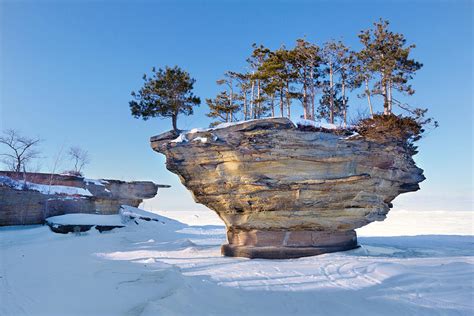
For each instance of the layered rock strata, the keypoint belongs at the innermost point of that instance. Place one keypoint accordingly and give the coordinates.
(285, 191)
(30, 198)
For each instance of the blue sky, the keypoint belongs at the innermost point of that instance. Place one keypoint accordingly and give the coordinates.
(67, 69)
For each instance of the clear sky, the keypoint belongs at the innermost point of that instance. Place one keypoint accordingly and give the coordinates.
(67, 69)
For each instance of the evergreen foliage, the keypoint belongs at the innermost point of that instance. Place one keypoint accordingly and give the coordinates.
(278, 77)
(222, 108)
(167, 93)
(331, 101)
(318, 77)
(387, 57)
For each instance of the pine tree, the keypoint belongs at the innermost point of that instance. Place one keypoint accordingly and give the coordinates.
(231, 96)
(270, 88)
(346, 75)
(279, 71)
(259, 55)
(289, 76)
(275, 79)
(221, 109)
(306, 62)
(334, 55)
(331, 104)
(389, 58)
(167, 93)
(243, 84)
(362, 74)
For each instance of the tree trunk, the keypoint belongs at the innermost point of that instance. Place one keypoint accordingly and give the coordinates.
(389, 96)
(273, 104)
(305, 106)
(288, 99)
(305, 93)
(312, 93)
(367, 92)
(245, 105)
(252, 99)
(331, 95)
(344, 101)
(174, 119)
(257, 108)
(18, 165)
(281, 102)
(386, 110)
(231, 96)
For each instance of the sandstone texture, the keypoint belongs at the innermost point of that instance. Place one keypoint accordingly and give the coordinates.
(285, 191)
(30, 198)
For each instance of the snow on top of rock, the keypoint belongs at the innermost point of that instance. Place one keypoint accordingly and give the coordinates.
(86, 219)
(6, 181)
(66, 198)
(296, 121)
(320, 124)
(354, 134)
(180, 139)
(58, 189)
(43, 188)
(202, 139)
(127, 212)
(197, 130)
(96, 181)
(228, 124)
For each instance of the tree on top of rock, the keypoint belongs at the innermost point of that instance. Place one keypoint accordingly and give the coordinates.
(221, 108)
(386, 55)
(79, 158)
(167, 93)
(306, 61)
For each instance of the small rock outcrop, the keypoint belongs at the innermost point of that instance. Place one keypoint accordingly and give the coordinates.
(30, 198)
(285, 191)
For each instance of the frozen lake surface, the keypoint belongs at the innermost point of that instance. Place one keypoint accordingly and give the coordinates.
(170, 268)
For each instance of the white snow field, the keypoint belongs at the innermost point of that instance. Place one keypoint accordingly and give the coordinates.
(165, 267)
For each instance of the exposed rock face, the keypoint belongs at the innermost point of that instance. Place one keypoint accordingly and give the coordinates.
(284, 191)
(44, 195)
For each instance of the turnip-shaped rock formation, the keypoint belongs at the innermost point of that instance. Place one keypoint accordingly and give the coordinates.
(284, 191)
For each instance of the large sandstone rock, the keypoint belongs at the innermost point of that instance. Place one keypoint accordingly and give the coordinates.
(44, 195)
(284, 191)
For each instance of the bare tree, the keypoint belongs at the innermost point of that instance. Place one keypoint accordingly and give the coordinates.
(57, 162)
(20, 150)
(79, 158)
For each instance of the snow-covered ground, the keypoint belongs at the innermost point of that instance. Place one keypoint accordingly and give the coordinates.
(169, 268)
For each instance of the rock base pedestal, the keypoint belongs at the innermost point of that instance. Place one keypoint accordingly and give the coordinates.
(286, 244)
